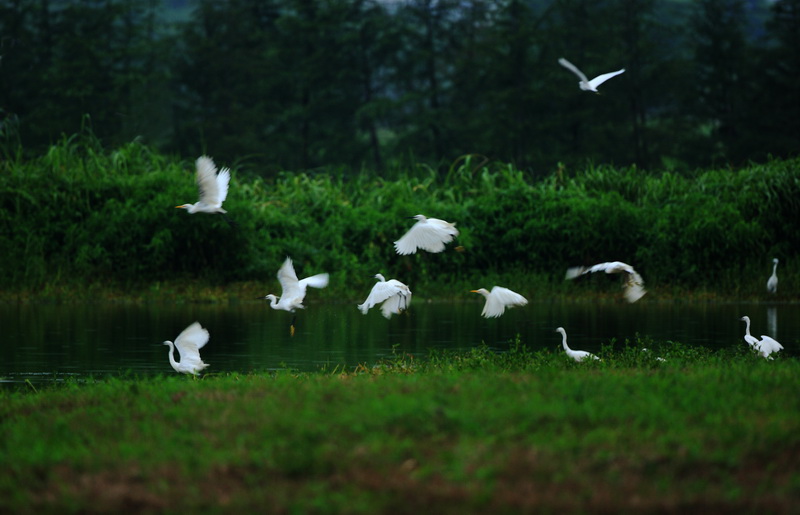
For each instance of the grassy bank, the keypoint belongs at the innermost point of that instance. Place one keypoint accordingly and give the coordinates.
(84, 217)
(454, 433)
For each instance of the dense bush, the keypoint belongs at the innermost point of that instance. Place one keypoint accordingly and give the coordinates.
(81, 213)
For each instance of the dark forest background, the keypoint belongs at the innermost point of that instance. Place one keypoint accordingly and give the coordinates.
(365, 84)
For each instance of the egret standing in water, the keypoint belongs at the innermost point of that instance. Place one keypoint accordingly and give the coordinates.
(498, 300)
(585, 84)
(212, 187)
(577, 355)
(634, 285)
(189, 343)
(765, 346)
(394, 295)
(772, 282)
(293, 291)
(429, 234)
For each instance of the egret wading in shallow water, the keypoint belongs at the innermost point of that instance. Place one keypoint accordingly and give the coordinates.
(585, 84)
(498, 300)
(394, 295)
(189, 343)
(765, 346)
(634, 285)
(772, 282)
(293, 291)
(212, 187)
(577, 355)
(429, 234)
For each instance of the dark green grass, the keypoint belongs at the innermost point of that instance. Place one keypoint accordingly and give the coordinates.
(477, 431)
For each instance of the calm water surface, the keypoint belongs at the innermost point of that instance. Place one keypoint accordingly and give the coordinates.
(43, 341)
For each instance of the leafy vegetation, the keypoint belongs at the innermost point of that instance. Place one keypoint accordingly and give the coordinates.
(78, 216)
(293, 84)
(450, 433)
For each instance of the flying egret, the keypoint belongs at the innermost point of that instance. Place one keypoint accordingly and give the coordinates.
(212, 187)
(498, 299)
(427, 234)
(772, 283)
(765, 346)
(634, 285)
(394, 295)
(586, 84)
(189, 343)
(293, 291)
(577, 355)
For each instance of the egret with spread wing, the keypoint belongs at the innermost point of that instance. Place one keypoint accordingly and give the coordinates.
(634, 285)
(498, 300)
(213, 187)
(429, 234)
(189, 343)
(765, 346)
(584, 83)
(394, 295)
(293, 291)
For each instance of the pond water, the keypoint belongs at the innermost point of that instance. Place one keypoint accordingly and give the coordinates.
(40, 342)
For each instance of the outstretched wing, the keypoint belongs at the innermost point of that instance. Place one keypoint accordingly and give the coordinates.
(396, 304)
(315, 281)
(574, 69)
(768, 345)
(499, 299)
(223, 178)
(604, 77)
(430, 235)
(380, 292)
(207, 184)
(189, 343)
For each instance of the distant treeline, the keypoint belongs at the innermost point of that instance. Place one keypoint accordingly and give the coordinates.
(300, 84)
(80, 214)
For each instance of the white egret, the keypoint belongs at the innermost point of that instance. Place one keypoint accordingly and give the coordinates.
(394, 295)
(212, 187)
(765, 346)
(772, 283)
(577, 355)
(498, 300)
(584, 83)
(634, 285)
(293, 291)
(427, 234)
(189, 343)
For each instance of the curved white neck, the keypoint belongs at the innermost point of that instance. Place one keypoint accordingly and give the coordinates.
(564, 342)
(171, 357)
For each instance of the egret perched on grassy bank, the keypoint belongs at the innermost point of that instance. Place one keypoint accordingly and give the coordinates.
(293, 291)
(772, 282)
(577, 355)
(429, 234)
(765, 346)
(498, 300)
(634, 285)
(394, 295)
(584, 83)
(189, 343)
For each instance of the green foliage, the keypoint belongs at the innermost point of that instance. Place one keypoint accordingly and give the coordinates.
(81, 214)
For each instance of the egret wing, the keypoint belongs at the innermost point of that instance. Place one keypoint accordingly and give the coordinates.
(574, 69)
(223, 179)
(768, 345)
(428, 235)
(315, 281)
(207, 180)
(634, 287)
(396, 304)
(604, 77)
(288, 278)
(189, 343)
(379, 293)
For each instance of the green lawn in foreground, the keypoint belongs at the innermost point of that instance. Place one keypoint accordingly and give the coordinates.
(454, 433)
